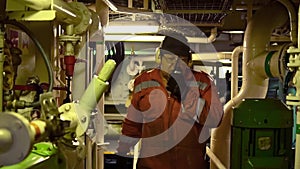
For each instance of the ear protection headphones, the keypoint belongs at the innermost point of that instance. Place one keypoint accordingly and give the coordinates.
(173, 44)
(157, 55)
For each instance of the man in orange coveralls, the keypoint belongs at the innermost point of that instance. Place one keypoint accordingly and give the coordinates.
(172, 111)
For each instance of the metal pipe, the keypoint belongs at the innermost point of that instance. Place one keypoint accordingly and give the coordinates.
(270, 63)
(234, 72)
(214, 159)
(66, 13)
(293, 19)
(257, 38)
(212, 37)
(297, 147)
(249, 10)
(102, 9)
(2, 59)
(109, 4)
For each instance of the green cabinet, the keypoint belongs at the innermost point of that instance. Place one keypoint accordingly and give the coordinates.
(261, 135)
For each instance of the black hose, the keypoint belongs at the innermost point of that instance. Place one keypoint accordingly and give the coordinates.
(40, 48)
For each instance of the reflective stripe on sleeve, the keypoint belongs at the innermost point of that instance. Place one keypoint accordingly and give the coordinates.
(200, 106)
(145, 85)
(199, 84)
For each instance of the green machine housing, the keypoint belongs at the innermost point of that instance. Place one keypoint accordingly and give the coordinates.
(261, 133)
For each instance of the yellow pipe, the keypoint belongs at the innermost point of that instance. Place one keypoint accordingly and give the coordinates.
(66, 13)
(257, 37)
(234, 73)
(293, 19)
(102, 10)
(214, 159)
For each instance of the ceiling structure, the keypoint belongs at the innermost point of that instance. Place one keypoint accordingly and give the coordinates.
(226, 19)
(226, 15)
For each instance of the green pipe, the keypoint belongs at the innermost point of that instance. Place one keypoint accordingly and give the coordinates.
(268, 65)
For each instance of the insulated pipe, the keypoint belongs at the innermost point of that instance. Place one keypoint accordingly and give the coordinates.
(67, 13)
(214, 159)
(212, 37)
(208, 56)
(270, 64)
(102, 10)
(235, 67)
(256, 41)
(223, 55)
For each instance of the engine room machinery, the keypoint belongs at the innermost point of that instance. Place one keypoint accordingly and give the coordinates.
(54, 74)
(40, 116)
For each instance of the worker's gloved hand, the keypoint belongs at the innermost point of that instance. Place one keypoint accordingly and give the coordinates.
(180, 81)
(177, 85)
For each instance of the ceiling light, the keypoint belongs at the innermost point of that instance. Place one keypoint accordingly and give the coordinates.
(133, 38)
(131, 29)
(234, 32)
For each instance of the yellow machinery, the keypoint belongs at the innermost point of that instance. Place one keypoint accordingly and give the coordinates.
(39, 46)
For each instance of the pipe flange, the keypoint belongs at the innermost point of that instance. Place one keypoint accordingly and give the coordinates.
(294, 60)
(22, 138)
(283, 56)
(69, 38)
(292, 100)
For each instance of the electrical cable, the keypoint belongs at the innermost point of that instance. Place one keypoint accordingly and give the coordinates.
(40, 48)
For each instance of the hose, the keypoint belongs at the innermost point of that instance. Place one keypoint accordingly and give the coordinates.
(40, 48)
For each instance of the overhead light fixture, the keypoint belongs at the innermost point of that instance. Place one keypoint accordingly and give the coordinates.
(133, 38)
(131, 27)
(234, 32)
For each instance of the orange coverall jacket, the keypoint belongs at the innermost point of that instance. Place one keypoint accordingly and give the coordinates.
(173, 135)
